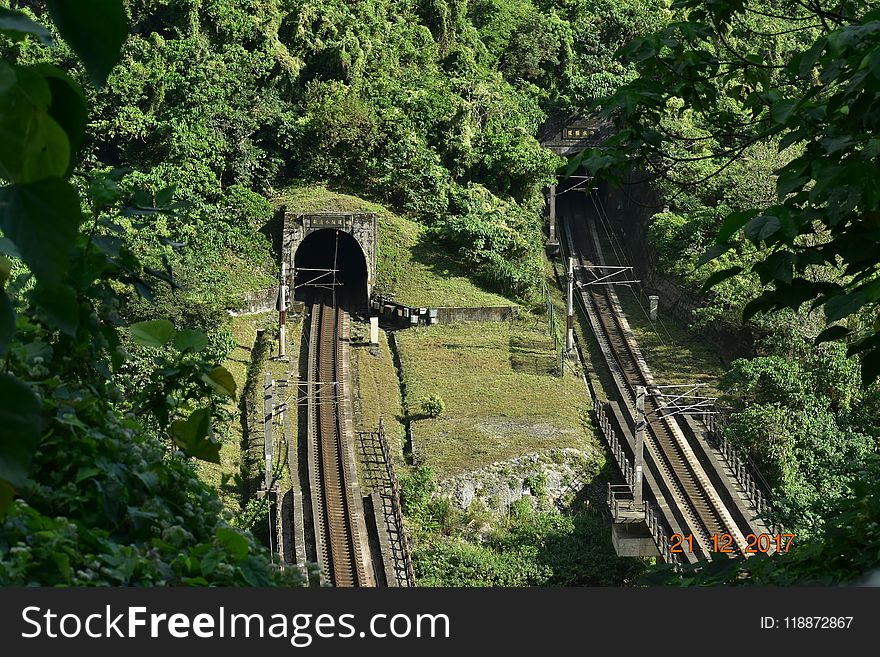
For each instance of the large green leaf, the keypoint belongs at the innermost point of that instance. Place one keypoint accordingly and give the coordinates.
(68, 107)
(7, 321)
(221, 380)
(59, 306)
(782, 110)
(870, 367)
(235, 543)
(832, 333)
(192, 340)
(788, 182)
(778, 266)
(719, 276)
(17, 26)
(42, 220)
(95, 29)
(7, 310)
(732, 223)
(254, 572)
(5, 269)
(762, 227)
(193, 435)
(7, 248)
(7, 492)
(713, 252)
(763, 303)
(843, 305)
(33, 145)
(153, 333)
(873, 62)
(20, 421)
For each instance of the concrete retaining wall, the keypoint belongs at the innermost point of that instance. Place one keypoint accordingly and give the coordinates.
(257, 301)
(478, 314)
(396, 315)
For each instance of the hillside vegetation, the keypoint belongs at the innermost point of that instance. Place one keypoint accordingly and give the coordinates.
(413, 268)
(754, 123)
(138, 211)
(144, 148)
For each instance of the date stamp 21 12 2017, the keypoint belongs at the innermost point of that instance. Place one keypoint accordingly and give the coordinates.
(724, 543)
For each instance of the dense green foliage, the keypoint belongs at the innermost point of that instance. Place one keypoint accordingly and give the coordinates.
(803, 416)
(389, 99)
(728, 75)
(529, 547)
(754, 121)
(428, 106)
(104, 490)
(679, 238)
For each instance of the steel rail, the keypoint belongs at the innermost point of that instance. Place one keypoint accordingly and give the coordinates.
(690, 492)
(337, 529)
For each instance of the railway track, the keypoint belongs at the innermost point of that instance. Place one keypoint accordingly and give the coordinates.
(690, 489)
(337, 507)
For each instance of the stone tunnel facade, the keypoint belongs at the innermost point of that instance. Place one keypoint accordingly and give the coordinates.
(360, 225)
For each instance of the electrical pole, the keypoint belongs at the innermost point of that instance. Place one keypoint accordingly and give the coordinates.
(282, 312)
(553, 213)
(639, 446)
(569, 321)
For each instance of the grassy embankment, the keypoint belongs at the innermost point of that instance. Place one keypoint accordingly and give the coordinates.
(240, 455)
(502, 396)
(231, 434)
(379, 394)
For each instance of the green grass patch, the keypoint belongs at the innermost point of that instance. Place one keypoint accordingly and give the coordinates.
(674, 354)
(244, 331)
(501, 398)
(412, 268)
(286, 369)
(232, 433)
(378, 390)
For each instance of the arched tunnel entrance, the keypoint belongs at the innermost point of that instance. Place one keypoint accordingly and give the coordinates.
(328, 260)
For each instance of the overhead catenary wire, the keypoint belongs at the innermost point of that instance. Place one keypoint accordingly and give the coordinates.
(620, 255)
(618, 250)
(577, 187)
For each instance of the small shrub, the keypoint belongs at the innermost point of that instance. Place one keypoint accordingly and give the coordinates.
(432, 405)
(520, 509)
(537, 484)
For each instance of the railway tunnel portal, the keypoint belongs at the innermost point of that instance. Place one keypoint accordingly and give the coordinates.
(331, 251)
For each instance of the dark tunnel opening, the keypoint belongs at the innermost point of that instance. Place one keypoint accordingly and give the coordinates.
(326, 250)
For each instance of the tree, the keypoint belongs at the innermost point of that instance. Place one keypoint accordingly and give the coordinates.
(793, 416)
(88, 494)
(745, 72)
